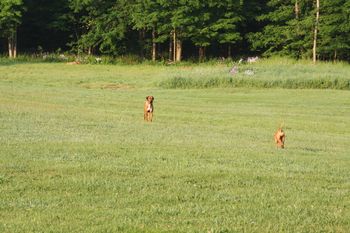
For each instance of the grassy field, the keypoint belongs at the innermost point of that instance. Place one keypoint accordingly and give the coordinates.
(76, 156)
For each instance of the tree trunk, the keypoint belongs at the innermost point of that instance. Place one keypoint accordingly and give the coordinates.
(178, 50)
(171, 47)
(154, 45)
(174, 44)
(142, 42)
(296, 9)
(12, 45)
(201, 53)
(314, 50)
(229, 51)
(15, 44)
(297, 13)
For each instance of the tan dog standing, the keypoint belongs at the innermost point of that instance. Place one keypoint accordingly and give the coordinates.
(280, 137)
(148, 109)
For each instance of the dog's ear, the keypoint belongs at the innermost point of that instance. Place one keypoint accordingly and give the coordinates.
(147, 97)
(153, 97)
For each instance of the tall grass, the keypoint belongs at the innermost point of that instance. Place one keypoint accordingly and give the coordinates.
(266, 73)
(306, 83)
(270, 73)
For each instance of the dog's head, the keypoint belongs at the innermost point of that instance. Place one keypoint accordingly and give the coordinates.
(280, 132)
(150, 99)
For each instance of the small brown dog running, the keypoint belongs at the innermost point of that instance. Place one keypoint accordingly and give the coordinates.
(148, 109)
(279, 137)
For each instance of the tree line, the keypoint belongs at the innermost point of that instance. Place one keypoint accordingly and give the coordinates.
(178, 29)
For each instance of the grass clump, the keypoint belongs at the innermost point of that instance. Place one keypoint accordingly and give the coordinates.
(286, 73)
(219, 82)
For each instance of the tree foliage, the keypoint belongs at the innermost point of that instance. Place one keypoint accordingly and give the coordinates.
(288, 28)
(335, 29)
(146, 27)
(10, 16)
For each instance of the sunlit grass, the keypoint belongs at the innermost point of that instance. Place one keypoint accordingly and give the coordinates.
(76, 156)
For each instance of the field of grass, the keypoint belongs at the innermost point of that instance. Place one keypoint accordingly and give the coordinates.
(76, 156)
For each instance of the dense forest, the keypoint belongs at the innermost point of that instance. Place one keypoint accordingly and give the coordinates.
(178, 29)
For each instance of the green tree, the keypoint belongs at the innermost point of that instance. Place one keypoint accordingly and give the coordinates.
(227, 24)
(116, 27)
(250, 24)
(99, 24)
(214, 21)
(146, 15)
(10, 18)
(181, 20)
(289, 29)
(334, 42)
(43, 26)
(83, 18)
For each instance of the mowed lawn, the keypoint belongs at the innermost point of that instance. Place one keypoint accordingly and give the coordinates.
(76, 155)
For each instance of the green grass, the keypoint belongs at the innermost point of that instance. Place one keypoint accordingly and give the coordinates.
(272, 73)
(76, 156)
